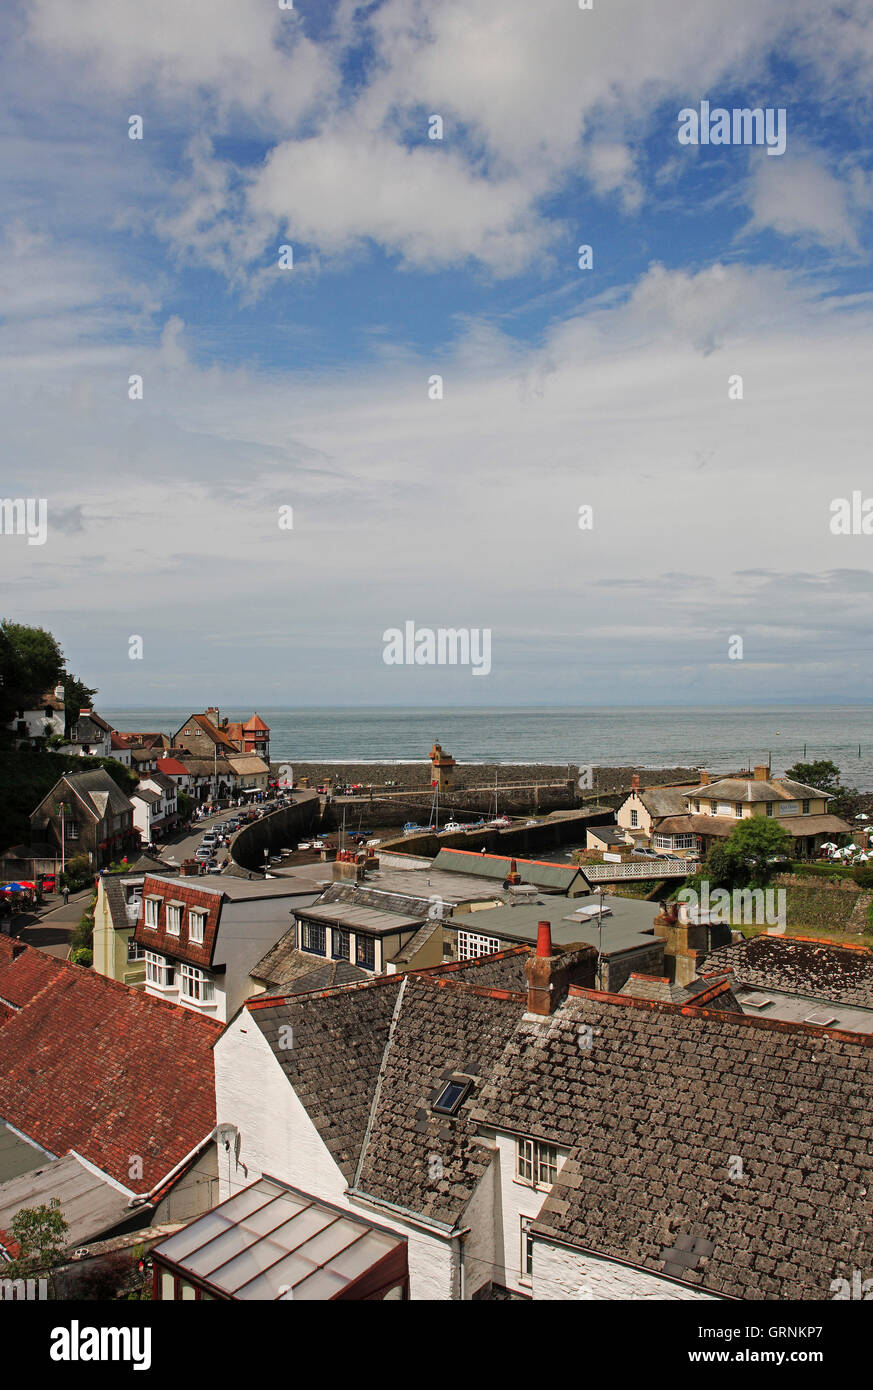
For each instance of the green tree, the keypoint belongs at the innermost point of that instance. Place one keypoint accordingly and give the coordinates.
(31, 662)
(42, 1234)
(823, 775)
(743, 859)
(76, 696)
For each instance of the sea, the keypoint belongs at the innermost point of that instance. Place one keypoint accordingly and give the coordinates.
(715, 738)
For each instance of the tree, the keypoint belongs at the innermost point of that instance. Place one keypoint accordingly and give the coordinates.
(825, 776)
(42, 1234)
(743, 860)
(76, 696)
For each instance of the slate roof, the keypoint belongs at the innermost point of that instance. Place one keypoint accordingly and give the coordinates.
(665, 801)
(336, 1045)
(283, 967)
(414, 1157)
(540, 872)
(751, 789)
(825, 970)
(363, 919)
(405, 903)
(91, 1065)
(90, 1205)
(95, 789)
(652, 1114)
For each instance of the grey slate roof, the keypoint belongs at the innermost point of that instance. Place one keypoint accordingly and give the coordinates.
(557, 878)
(90, 1205)
(405, 903)
(839, 973)
(364, 919)
(750, 789)
(416, 1158)
(284, 968)
(338, 1041)
(652, 1114)
(95, 787)
(665, 801)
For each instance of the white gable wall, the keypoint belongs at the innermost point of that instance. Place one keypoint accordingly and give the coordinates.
(561, 1272)
(278, 1138)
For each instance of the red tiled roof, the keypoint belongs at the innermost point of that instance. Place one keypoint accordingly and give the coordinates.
(119, 740)
(172, 767)
(256, 723)
(111, 1072)
(192, 893)
(23, 976)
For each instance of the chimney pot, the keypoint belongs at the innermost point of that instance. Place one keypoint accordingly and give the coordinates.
(544, 938)
(762, 772)
(704, 779)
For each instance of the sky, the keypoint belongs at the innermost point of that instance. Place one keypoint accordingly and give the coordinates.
(293, 483)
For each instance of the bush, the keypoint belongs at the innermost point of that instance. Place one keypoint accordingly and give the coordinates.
(82, 955)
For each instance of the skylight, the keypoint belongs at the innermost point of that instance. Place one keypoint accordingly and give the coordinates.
(450, 1098)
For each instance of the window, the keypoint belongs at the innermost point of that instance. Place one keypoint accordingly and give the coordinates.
(71, 830)
(152, 907)
(738, 808)
(197, 985)
(769, 808)
(471, 945)
(365, 952)
(340, 948)
(724, 808)
(536, 1163)
(788, 808)
(526, 1270)
(312, 937)
(663, 842)
(635, 819)
(159, 972)
(685, 842)
(174, 919)
(806, 808)
(196, 922)
(134, 950)
(452, 1096)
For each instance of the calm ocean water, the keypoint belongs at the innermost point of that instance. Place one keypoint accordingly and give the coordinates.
(704, 737)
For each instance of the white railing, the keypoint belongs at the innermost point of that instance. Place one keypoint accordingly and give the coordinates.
(655, 868)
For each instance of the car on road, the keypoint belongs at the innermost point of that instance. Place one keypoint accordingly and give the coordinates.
(210, 838)
(204, 854)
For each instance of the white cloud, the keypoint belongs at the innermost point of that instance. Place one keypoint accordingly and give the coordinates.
(797, 196)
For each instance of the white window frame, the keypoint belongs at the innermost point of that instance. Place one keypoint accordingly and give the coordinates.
(196, 925)
(635, 820)
(174, 920)
(197, 985)
(525, 1274)
(160, 972)
(533, 1160)
(135, 952)
(152, 912)
(472, 944)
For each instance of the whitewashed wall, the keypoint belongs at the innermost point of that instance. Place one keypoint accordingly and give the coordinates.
(563, 1273)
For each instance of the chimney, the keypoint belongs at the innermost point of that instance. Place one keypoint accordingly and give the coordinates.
(515, 877)
(762, 772)
(550, 974)
(704, 778)
(635, 782)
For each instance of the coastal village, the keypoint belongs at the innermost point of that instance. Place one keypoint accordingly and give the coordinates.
(277, 1033)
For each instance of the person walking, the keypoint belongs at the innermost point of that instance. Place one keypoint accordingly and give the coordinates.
(66, 896)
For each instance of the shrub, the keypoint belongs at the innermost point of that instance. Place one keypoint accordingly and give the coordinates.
(82, 955)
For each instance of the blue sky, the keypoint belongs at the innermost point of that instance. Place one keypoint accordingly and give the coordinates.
(308, 387)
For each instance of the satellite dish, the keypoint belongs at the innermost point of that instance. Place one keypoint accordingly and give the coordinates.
(228, 1135)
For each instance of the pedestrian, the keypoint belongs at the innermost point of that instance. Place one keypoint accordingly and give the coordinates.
(66, 896)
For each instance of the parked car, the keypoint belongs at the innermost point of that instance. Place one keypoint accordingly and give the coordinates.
(210, 838)
(47, 883)
(204, 854)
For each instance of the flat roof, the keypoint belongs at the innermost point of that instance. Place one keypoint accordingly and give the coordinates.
(433, 883)
(240, 889)
(272, 1242)
(628, 926)
(802, 1008)
(366, 919)
(18, 1155)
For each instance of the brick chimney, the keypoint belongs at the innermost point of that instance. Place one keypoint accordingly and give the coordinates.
(704, 778)
(514, 876)
(762, 772)
(635, 782)
(550, 973)
(212, 715)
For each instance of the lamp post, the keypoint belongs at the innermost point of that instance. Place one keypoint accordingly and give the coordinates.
(63, 841)
(599, 938)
